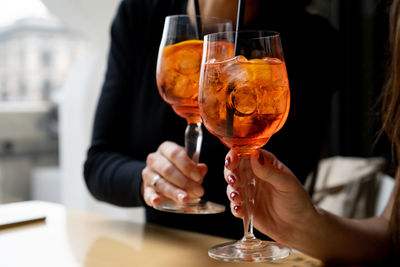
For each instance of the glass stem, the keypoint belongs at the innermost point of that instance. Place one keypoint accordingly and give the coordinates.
(248, 186)
(193, 139)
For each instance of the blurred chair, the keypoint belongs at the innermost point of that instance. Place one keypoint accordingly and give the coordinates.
(350, 187)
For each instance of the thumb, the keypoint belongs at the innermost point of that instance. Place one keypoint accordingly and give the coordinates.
(268, 168)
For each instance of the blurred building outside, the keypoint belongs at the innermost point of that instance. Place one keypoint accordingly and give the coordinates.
(35, 56)
(51, 72)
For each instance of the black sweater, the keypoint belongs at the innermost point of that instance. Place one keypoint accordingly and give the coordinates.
(132, 120)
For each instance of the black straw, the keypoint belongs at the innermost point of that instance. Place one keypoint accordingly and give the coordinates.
(196, 7)
(230, 112)
(198, 20)
(239, 22)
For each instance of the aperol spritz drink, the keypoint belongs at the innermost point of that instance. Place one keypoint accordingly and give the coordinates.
(244, 99)
(178, 78)
(178, 71)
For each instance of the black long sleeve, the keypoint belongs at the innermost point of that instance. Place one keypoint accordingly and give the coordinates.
(125, 128)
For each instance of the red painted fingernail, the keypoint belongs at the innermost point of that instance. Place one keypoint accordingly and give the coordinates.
(181, 197)
(233, 195)
(227, 161)
(236, 208)
(261, 158)
(154, 200)
(231, 179)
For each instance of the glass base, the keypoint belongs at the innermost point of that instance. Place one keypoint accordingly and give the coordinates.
(192, 207)
(257, 251)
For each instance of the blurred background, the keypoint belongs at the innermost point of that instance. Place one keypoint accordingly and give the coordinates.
(52, 63)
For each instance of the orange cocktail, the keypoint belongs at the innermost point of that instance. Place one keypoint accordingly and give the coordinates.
(178, 70)
(244, 102)
(244, 99)
(178, 78)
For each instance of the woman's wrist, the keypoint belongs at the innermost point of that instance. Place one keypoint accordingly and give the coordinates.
(341, 240)
(307, 231)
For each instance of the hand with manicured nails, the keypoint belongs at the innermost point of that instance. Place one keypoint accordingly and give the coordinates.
(284, 211)
(181, 177)
(281, 204)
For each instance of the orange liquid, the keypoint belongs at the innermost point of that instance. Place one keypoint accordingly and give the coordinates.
(244, 102)
(178, 78)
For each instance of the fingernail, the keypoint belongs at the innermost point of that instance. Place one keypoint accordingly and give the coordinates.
(152, 200)
(181, 197)
(233, 195)
(231, 179)
(198, 191)
(196, 176)
(261, 158)
(236, 208)
(227, 161)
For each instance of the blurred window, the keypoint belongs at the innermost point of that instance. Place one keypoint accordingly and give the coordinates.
(4, 88)
(22, 89)
(46, 87)
(47, 58)
(22, 56)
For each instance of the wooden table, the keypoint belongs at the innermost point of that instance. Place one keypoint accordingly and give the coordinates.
(74, 238)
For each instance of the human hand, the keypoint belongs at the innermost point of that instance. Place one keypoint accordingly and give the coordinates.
(281, 206)
(180, 180)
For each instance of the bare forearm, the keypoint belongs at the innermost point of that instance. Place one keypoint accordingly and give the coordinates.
(336, 239)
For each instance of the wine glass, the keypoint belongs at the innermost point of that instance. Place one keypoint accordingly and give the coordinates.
(244, 100)
(178, 71)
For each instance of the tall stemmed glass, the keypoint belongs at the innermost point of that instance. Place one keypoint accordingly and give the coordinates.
(243, 101)
(178, 71)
